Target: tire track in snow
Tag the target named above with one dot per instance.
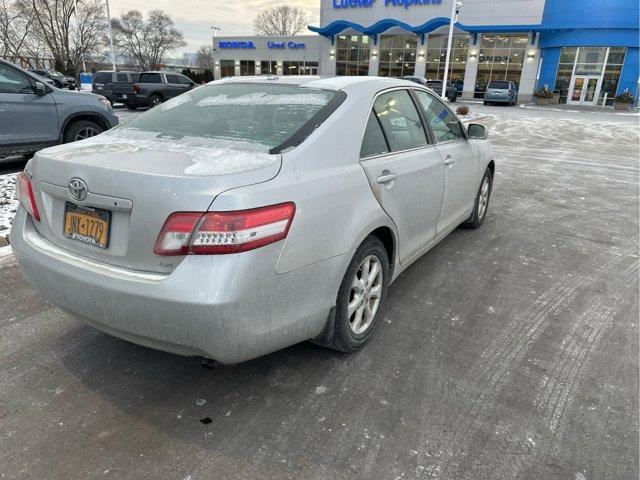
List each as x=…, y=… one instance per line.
x=493, y=370
x=558, y=389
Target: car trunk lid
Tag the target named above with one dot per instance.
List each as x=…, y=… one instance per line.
x=135, y=183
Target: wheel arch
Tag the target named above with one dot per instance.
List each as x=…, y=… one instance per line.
x=388, y=239
x=492, y=166
x=89, y=116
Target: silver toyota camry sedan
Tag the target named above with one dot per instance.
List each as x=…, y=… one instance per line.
x=251, y=213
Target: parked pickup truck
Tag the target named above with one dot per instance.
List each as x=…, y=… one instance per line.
x=153, y=88
x=115, y=86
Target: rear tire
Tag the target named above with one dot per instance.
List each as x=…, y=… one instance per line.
x=81, y=130
x=481, y=205
x=485, y=103
x=361, y=297
x=155, y=100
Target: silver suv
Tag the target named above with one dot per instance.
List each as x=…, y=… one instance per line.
x=34, y=115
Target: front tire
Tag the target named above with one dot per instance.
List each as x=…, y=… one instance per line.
x=361, y=296
x=481, y=205
x=81, y=130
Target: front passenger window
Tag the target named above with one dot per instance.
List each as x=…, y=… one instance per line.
x=13, y=81
x=444, y=124
x=400, y=120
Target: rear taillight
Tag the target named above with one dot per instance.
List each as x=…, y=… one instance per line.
x=24, y=194
x=216, y=233
x=136, y=89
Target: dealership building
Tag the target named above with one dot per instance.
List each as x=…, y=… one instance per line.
x=585, y=49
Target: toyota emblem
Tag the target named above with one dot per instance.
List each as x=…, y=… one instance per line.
x=77, y=189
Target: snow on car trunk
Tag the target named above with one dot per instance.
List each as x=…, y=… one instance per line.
x=133, y=183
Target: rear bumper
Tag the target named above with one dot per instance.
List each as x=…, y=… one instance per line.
x=498, y=99
x=230, y=308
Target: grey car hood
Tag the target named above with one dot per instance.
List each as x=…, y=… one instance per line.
x=150, y=179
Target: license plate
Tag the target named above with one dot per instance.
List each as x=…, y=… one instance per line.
x=87, y=224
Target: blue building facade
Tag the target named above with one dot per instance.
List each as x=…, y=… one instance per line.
x=586, y=50
x=600, y=38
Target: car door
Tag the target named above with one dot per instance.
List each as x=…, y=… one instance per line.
x=25, y=117
x=173, y=87
x=186, y=83
x=460, y=161
x=404, y=170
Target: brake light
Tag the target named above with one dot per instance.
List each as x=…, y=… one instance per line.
x=24, y=194
x=217, y=233
x=136, y=88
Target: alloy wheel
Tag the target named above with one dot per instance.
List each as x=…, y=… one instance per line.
x=365, y=295
x=86, y=132
x=483, y=200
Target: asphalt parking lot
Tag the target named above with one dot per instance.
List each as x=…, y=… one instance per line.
x=510, y=352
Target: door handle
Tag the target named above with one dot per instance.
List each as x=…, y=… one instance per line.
x=448, y=161
x=386, y=177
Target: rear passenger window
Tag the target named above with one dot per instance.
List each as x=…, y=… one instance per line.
x=122, y=78
x=400, y=120
x=444, y=124
x=373, y=142
x=150, y=78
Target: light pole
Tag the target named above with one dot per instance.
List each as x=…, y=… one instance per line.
x=215, y=31
x=113, y=54
x=455, y=10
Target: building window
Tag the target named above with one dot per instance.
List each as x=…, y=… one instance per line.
x=590, y=61
x=501, y=58
x=299, y=67
x=227, y=68
x=397, y=55
x=247, y=67
x=437, y=55
x=268, y=67
x=612, y=71
x=353, y=55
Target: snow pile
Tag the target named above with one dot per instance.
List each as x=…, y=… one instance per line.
x=470, y=116
x=260, y=99
x=8, y=203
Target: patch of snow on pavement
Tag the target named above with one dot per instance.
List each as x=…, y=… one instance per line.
x=8, y=202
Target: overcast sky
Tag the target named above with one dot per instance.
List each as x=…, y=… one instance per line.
x=196, y=17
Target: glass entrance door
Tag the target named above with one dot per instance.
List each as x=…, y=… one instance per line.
x=584, y=90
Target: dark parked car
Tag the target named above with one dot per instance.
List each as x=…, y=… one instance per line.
x=115, y=86
x=60, y=80
x=435, y=85
x=501, y=91
x=153, y=88
x=34, y=115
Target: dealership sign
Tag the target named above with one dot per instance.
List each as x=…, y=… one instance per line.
x=249, y=45
x=236, y=45
x=387, y=3
x=285, y=45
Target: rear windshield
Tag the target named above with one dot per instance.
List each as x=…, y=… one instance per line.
x=264, y=116
x=102, y=77
x=150, y=78
x=499, y=85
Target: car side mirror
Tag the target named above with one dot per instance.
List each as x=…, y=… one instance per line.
x=41, y=89
x=478, y=131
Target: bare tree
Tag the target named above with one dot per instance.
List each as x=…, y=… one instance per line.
x=281, y=20
x=146, y=43
x=54, y=27
x=204, y=57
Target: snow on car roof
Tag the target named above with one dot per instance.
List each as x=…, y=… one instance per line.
x=330, y=83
